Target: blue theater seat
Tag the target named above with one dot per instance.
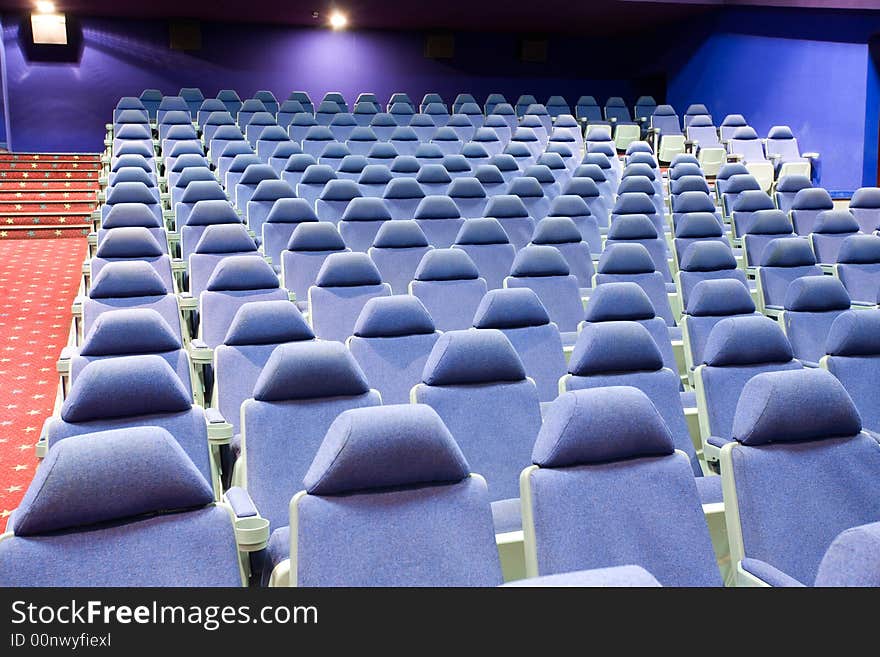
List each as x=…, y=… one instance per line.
x=448, y=283
x=790, y=427
x=392, y=340
x=423, y=508
x=585, y=495
x=345, y=282
x=476, y=383
x=101, y=498
x=544, y=270
x=812, y=303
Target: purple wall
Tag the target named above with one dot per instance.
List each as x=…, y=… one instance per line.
x=63, y=106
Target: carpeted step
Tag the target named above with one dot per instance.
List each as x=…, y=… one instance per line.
x=63, y=176
x=48, y=185
x=45, y=206
x=26, y=196
x=41, y=233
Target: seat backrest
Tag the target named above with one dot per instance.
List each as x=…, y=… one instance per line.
x=616, y=110
x=832, y=227
x=520, y=315
x=256, y=330
x=710, y=302
x=476, y=382
x=591, y=470
x=865, y=206
x=627, y=302
x=859, y=267
x=304, y=384
x=784, y=259
x=345, y=282
x=812, y=303
x=237, y=280
x=737, y=349
x=101, y=498
x=853, y=356
x=448, y=283
x=766, y=226
x=392, y=339
x=397, y=250
x=806, y=206
x=786, y=189
x=666, y=120
x=706, y=260
x=623, y=353
x=142, y=390
x=792, y=427
x=633, y=262
x=544, y=270
x=365, y=480
x=489, y=247
x=781, y=141
x=310, y=244
x=745, y=142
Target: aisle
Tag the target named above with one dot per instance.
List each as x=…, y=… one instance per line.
x=38, y=281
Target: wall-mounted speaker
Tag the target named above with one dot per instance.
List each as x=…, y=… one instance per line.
x=440, y=46
x=533, y=50
x=185, y=35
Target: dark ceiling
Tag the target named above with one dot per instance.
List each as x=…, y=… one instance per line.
x=590, y=17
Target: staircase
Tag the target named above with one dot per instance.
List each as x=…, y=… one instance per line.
x=47, y=195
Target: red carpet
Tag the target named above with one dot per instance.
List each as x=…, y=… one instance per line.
x=38, y=281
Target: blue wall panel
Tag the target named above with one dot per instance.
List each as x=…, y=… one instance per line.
x=819, y=88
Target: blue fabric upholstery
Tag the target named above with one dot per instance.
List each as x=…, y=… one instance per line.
x=404, y=445
x=132, y=472
x=720, y=297
x=267, y=322
x=746, y=341
x=796, y=406
x=421, y=522
x=476, y=382
x=290, y=373
x=816, y=294
x=242, y=273
x=348, y=270
x=129, y=331
x=392, y=340
x=471, y=357
x=606, y=452
x=139, y=385
x=520, y=315
x=127, y=279
x=570, y=436
x=840, y=464
x=851, y=560
x=156, y=475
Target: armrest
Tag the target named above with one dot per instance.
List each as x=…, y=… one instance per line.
x=734, y=157
x=200, y=352
x=773, y=156
x=712, y=447
x=219, y=430
x=251, y=530
x=179, y=264
x=810, y=156
x=242, y=504
x=42, y=445
x=187, y=301
x=63, y=362
x=754, y=572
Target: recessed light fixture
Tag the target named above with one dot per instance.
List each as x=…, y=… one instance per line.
x=45, y=7
x=338, y=20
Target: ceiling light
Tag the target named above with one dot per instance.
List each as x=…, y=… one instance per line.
x=338, y=20
x=45, y=7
